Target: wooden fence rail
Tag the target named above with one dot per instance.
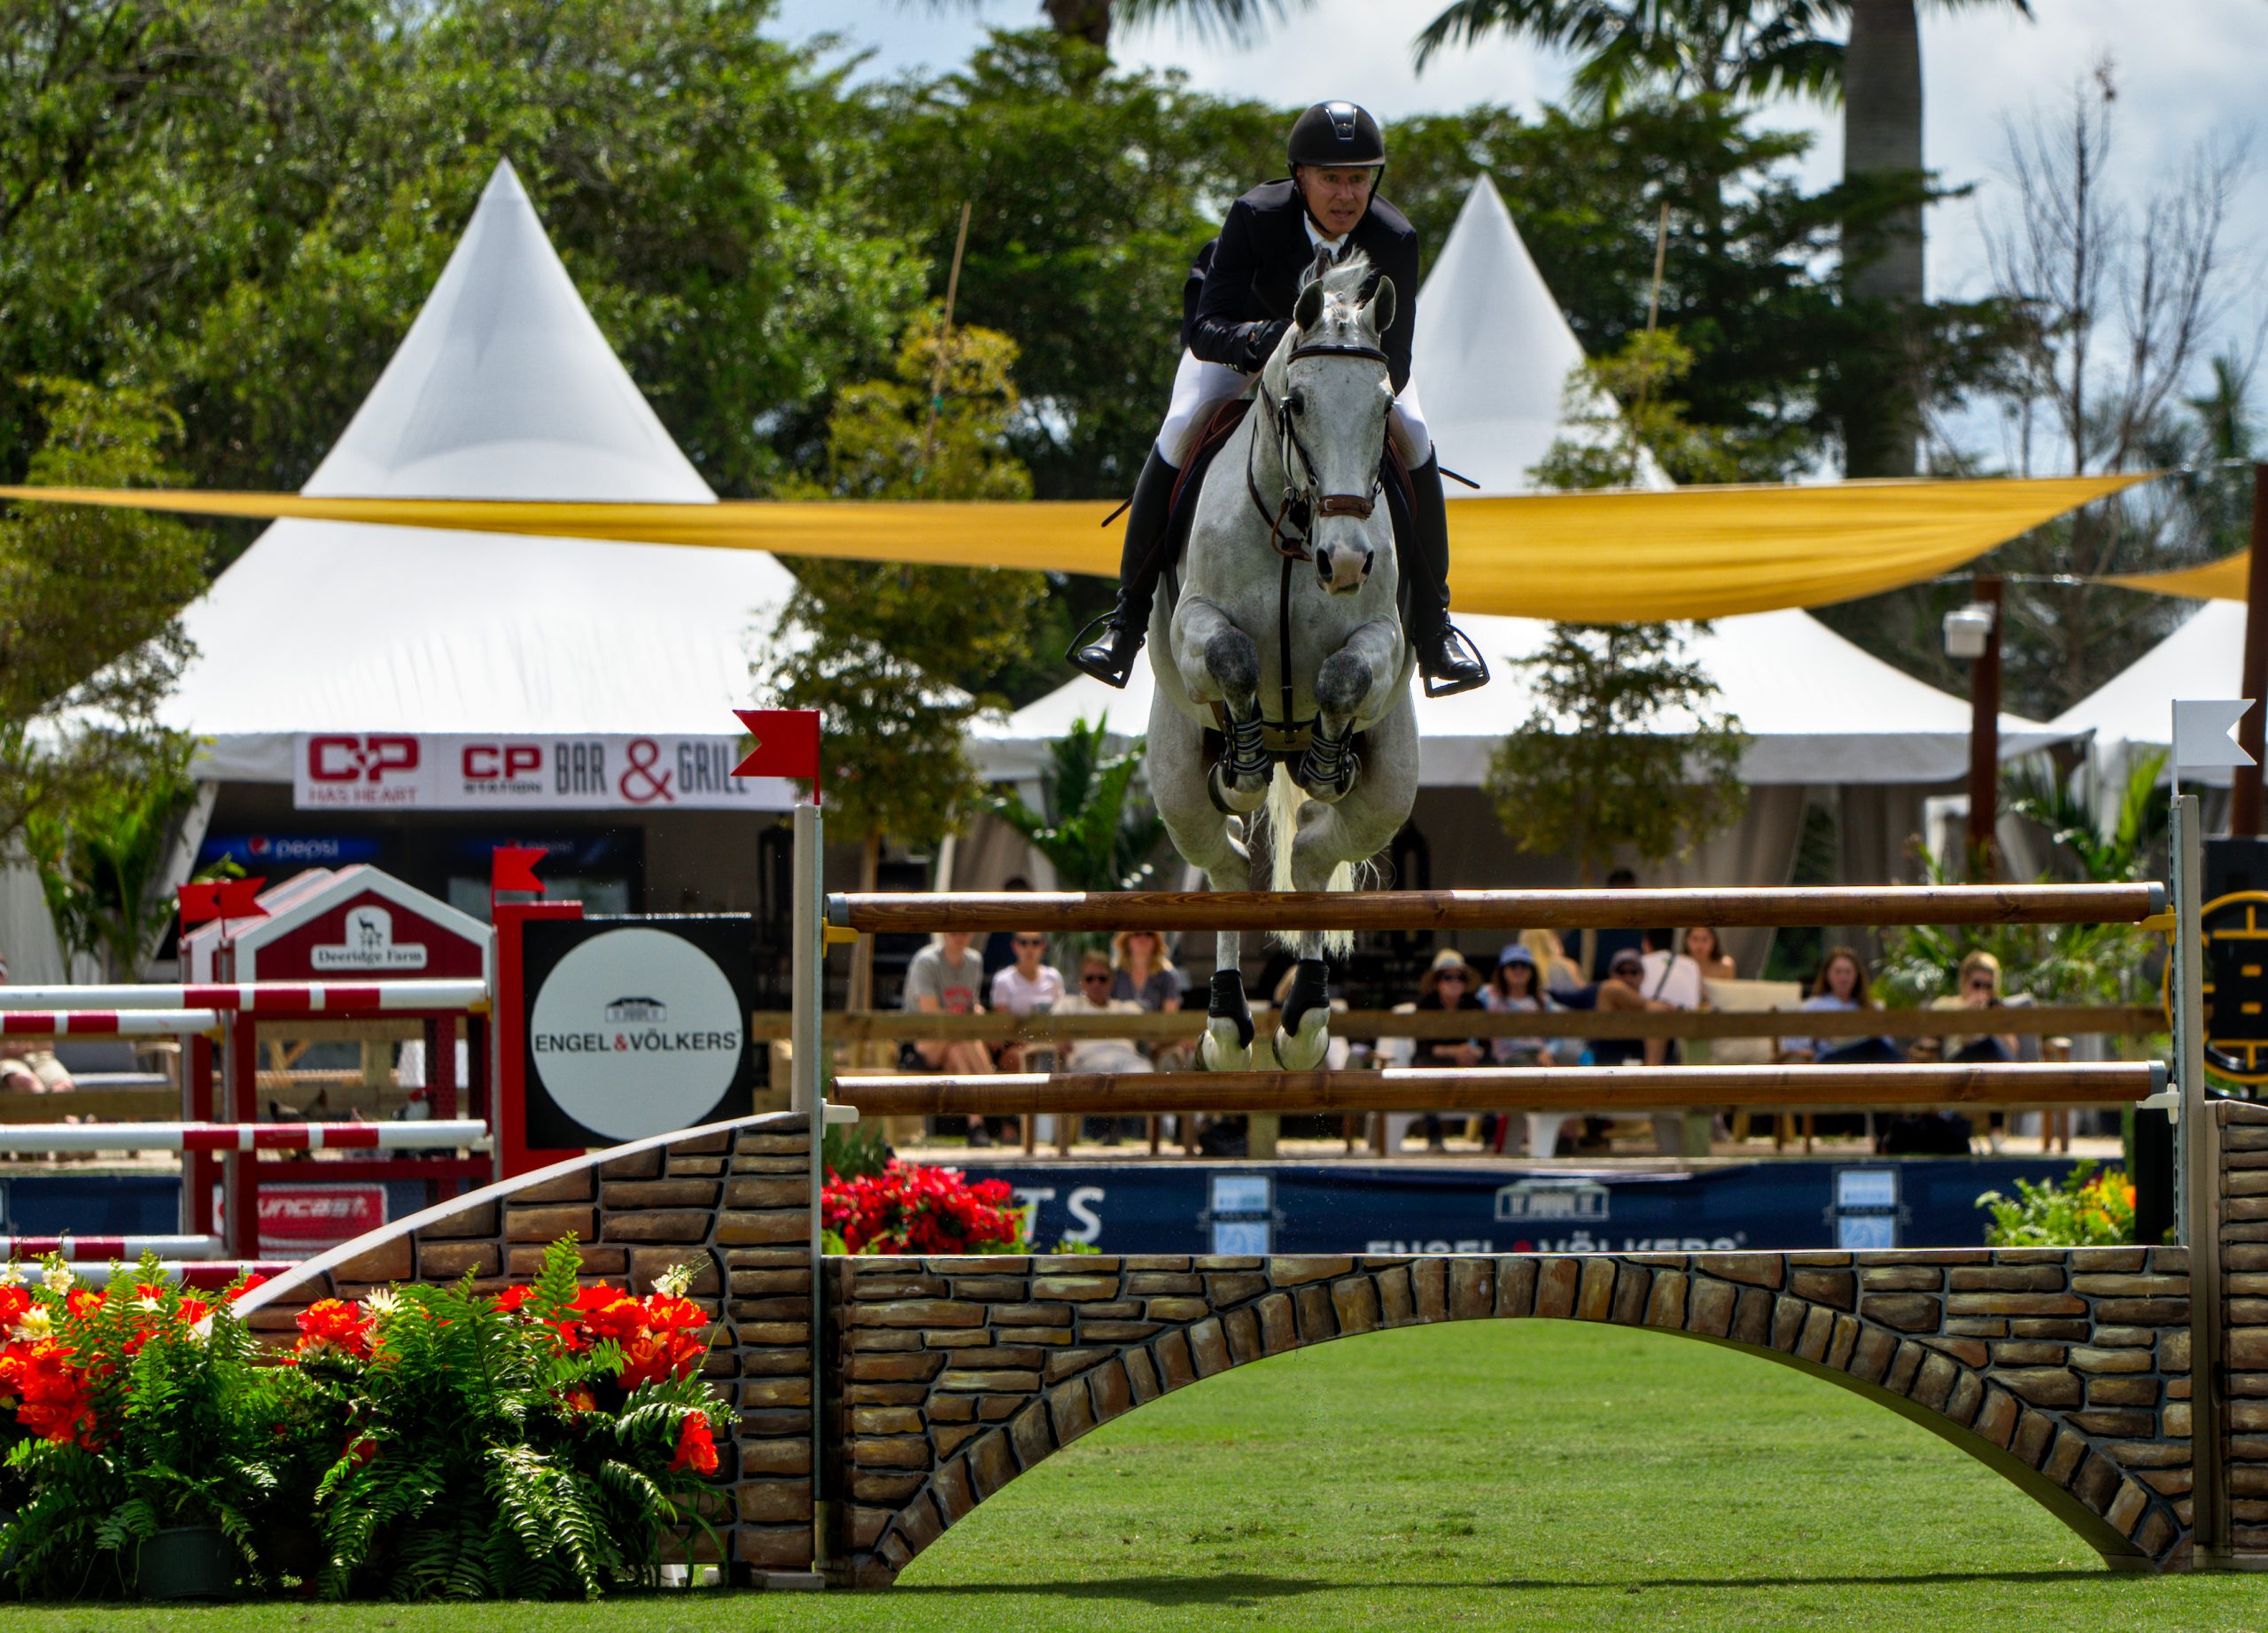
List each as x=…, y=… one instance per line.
x=1499, y=910
x=2025, y=1020
x=1570, y=1088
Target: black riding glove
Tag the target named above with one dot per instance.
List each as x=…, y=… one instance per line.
x=1258, y=343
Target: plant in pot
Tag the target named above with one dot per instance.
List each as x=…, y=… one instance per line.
x=542, y=1443
x=152, y=1423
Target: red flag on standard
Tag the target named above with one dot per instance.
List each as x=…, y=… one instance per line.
x=786, y=745
x=512, y=868
x=240, y=899
x=199, y=900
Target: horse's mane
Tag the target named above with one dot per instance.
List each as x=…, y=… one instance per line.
x=1344, y=278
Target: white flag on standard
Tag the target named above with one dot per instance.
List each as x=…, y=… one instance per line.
x=2204, y=734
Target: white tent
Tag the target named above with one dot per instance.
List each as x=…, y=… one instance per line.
x=1491, y=354
x=504, y=388
x=2203, y=658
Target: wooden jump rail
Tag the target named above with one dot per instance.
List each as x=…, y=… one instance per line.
x=2025, y=1020
x=1570, y=1088
x=1499, y=910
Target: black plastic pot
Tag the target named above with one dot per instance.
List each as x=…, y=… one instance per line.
x=186, y=1562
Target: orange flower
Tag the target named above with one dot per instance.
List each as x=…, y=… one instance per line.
x=696, y=1448
x=335, y=1323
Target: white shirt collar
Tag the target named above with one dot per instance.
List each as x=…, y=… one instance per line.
x=1316, y=238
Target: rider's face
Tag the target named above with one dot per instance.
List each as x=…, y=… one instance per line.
x=1337, y=195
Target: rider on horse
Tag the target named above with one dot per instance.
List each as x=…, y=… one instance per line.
x=1251, y=275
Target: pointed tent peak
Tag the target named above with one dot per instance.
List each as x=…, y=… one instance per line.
x=1492, y=351
x=504, y=388
x=504, y=184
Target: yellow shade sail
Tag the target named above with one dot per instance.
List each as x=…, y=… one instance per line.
x=1596, y=557
x=2221, y=581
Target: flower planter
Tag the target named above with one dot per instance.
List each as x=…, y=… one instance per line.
x=186, y=1562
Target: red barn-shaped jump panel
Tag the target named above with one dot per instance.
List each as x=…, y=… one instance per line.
x=346, y=924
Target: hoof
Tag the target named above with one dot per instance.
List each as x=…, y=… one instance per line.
x=1303, y=1050
x=1227, y=1043
x=1327, y=771
x=1302, y=1033
x=1235, y=796
x=1223, y=1049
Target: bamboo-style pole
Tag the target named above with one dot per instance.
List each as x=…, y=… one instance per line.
x=1572, y=1088
x=1499, y=910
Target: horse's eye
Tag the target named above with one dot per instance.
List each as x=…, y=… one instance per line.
x=1296, y=402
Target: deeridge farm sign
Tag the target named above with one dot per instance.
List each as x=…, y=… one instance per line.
x=636, y=1027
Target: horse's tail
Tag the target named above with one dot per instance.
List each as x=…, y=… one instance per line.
x=1285, y=798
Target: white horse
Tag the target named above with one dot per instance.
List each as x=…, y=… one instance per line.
x=1281, y=631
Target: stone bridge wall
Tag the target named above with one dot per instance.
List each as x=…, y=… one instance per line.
x=2066, y=1371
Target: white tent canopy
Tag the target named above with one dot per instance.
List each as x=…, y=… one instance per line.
x=504, y=388
x=2203, y=658
x=1492, y=353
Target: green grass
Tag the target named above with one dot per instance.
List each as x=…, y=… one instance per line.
x=1527, y=1475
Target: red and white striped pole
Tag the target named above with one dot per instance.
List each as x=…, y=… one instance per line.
x=105, y=1022
x=464, y=1133
x=261, y=997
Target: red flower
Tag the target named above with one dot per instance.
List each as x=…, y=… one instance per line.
x=83, y=1300
x=917, y=1208
x=696, y=1449
x=15, y=1299
x=237, y=1292
x=335, y=1322
x=509, y=1301
x=362, y=1451
x=193, y=1311
x=52, y=1392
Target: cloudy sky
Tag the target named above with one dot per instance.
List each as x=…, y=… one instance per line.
x=2186, y=72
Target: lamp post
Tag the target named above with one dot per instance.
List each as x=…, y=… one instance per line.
x=1973, y=632
x=2244, y=803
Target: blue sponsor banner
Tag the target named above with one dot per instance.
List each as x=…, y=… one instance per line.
x=255, y=852
x=1420, y=1208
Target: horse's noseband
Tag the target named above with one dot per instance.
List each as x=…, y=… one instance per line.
x=1303, y=509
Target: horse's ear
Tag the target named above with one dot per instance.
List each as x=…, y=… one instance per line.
x=1309, y=308
x=1382, y=305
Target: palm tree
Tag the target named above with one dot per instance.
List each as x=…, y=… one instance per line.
x=1748, y=50
x=1739, y=49
x=1092, y=20
x=1882, y=262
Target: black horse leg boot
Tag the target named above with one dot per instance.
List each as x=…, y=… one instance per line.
x=1109, y=654
x=1445, y=658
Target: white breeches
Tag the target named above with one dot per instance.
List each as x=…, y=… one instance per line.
x=1199, y=387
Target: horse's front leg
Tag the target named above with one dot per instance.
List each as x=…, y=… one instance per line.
x=1220, y=664
x=1353, y=684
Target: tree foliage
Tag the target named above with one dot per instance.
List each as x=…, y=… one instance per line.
x=892, y=656
x=1592, y=772
x=1086, y=827
x=89, y=637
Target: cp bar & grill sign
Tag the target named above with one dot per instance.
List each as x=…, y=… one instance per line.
x=635, y=1026
x=591, y=771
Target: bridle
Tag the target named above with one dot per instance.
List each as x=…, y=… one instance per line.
x=1302, y=506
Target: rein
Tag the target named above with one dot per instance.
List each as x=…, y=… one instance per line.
x=1304, y=507
x=1301, y=509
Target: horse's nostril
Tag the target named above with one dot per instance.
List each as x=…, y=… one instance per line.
x=1368, y=558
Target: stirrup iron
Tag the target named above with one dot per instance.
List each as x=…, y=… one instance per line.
x=1455, y=643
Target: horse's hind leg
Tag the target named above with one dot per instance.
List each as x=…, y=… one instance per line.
x=1331, y=837
x=1219, y=664
x=1207, y=839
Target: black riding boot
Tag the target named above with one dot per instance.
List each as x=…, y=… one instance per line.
x=1109, y=656
x=1445, y=658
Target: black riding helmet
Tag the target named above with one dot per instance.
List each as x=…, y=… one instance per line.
x=1337, y=133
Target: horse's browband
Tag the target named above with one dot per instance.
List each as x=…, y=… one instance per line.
x=1326, y=349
